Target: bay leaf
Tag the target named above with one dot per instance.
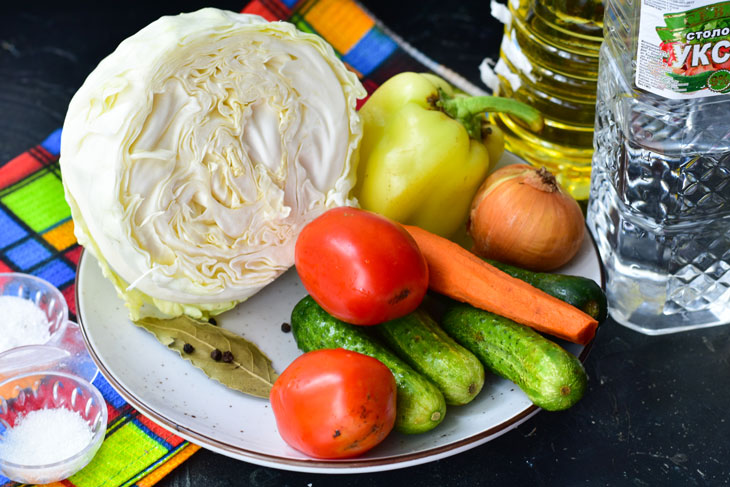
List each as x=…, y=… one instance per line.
x=250, y=371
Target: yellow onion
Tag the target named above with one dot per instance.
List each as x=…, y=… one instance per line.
x=522, y=216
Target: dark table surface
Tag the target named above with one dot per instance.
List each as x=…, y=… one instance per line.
x=655, y=410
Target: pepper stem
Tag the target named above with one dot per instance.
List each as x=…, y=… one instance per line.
x=467, y=110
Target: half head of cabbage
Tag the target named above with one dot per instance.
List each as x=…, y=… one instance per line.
x=193, y=155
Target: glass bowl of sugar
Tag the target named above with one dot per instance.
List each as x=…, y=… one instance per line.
x=33, y=310
x=51, y=426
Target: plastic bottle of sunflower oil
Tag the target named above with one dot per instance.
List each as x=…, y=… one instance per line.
x=660, y=192
x=549, y=59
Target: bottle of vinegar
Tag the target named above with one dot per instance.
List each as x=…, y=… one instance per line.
x=660, y=195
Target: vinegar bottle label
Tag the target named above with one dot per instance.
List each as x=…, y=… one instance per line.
x=683, y=48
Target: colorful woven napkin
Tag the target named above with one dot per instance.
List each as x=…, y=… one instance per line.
x=364, y=44
x=37, y=238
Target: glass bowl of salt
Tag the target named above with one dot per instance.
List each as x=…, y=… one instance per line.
x=34, y=311
x=51, y=426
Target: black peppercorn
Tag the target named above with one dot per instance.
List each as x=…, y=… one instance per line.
x=216, y=355
x=285, y=327
x=187, y=348
x=227, y=357
x=212, y=321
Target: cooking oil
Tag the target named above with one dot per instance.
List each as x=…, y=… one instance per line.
x=549, y=59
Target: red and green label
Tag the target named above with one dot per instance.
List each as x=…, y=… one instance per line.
x=696, y=49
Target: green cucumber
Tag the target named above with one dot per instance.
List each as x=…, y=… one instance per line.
x=552, y=378
x=420, y=341
x=581, y=292
x=420, y=406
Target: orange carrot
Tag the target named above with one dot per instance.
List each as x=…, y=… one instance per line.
x=457, y=273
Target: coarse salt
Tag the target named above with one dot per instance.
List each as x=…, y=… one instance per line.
x=45, y=436
x=21, y=323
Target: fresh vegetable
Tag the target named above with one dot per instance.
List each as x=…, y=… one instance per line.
x=552, y=378
x=493, y=137
x=457, y=273
x=581, y=292
x=522, y=216
x=361, y=267
x=334, y=403
x=195, y=153
x=423, y=152
x=418, y=339
x=420, y=406
x=240, y=365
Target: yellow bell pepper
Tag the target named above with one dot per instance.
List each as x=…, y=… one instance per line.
x=426, y=149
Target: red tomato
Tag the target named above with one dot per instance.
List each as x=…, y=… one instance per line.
x=334, y=403
x=361, y=267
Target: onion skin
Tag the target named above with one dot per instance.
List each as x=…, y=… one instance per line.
x=521, y=216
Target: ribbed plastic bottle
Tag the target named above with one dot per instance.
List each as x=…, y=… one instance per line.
x=549, y=59
x=660, y=196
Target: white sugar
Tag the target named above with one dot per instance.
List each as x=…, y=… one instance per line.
x=45, y=436
x=21, y=323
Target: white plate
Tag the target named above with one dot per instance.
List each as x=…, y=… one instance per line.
x=179, y=397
